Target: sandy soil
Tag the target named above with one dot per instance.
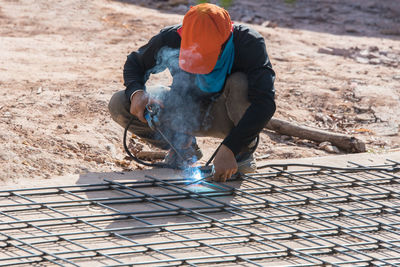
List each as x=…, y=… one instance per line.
x=337, y=68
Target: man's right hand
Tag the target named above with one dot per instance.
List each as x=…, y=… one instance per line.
x=138, y=104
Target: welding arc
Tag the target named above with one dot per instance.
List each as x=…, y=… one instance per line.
x=158, y=164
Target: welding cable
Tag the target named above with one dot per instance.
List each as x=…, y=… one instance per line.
x=149, y=164
x=325, y=167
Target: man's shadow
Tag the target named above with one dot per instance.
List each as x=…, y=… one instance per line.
x=143, y=204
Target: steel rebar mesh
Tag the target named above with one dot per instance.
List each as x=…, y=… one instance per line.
x=303, y=217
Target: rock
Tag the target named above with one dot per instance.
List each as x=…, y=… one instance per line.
x=364, y=117
x=362, y=60
x=319, y=116
x=374, y=61
x=328, y=147
x=332, y=149
x=364, y=53
x=337, y=51
x=324, y=144
x=386, y=60
x=322, y=117
x=361, y=108
x=72, y=147
x=7, y=115
x=373, y=55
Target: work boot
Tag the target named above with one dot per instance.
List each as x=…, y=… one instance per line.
x=190, y=155
x=245, y=160
x=246, y=163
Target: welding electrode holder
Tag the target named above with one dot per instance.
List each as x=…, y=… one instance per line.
x=150, y=114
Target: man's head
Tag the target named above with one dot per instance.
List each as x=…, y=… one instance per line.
x=205, y=28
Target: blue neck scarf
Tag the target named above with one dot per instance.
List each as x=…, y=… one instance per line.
x=214, y=81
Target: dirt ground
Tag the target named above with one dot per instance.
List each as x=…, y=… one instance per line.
x=337, y=65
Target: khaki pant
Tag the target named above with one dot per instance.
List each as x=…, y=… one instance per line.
x=223, y=114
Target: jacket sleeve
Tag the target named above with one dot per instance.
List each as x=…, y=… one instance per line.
x=255, y=63
x=138, y=63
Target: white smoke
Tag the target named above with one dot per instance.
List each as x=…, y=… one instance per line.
x=182, y=114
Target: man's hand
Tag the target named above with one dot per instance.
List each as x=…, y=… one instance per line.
x=138, y=104
x=224, y=164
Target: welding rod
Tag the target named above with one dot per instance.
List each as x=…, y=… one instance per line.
x=171, y=145
x=213, y=155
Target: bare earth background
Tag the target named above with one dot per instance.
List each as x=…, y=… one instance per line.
x=337, y=65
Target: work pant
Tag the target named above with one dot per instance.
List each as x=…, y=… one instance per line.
x=222, y=115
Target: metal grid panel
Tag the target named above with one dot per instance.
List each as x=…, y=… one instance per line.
x=304, y=217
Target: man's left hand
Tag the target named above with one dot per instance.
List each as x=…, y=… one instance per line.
x=225, y=164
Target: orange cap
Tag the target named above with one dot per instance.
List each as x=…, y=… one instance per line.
x=204, y=29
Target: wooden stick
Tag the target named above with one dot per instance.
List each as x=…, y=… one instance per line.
x=150, y=155
x=342, y=141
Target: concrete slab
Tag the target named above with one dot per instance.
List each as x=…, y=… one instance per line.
x=296, y=217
